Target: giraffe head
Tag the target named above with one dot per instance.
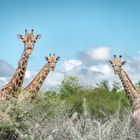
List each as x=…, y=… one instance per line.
x=52, y=60
x=117, y=63
x=29, y=40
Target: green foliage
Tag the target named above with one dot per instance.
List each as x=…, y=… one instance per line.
x=105, y=103
x=7, y=132
x=138, y=85
x=103, y=85
x=70, y=85
x=115, y=86
x=32, y=119
x=101, y=100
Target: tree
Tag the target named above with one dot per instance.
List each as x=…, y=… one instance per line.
x=103, y=85
x=116, y=86
x=70, y=85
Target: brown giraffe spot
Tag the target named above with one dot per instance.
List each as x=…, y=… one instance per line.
x=14, y=88
x=33, y=91
x=19, y=74
x=16, y=81
x=20, y=78
x=22, y=72
x=40, y=82
x=30, y=90
x=23, y=68
x=23, y=64
x=19, y=83
x=44, y=76
x=37, y=88
x=3, y=89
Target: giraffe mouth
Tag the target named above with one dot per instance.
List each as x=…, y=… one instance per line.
x=29, y=50
x=115, y=72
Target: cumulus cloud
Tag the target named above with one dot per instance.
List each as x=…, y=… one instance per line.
x=94, y=55
x=70, y=65
x=53, y=80
x=100, y=53
x=6, y=69
x=91, y=67
x=105, y=69
x=3, y=80
x=90, y=70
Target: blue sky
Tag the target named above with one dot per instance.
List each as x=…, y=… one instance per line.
x=68, y=27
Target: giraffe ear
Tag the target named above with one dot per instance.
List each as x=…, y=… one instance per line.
x=123, y=62
x=110, y=62
x=20, y=37
x=37, y=37
x=46, y=58
x=58, y=58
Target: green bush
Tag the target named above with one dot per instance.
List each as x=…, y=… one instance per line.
x=19, y=120
x=70, y=85
x=102, y=100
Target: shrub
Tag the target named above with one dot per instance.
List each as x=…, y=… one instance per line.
x=70, y=85
x=73, y=112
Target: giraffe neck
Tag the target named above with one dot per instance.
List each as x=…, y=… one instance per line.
x=37, y=82
x=132, y=93
x=17, y=79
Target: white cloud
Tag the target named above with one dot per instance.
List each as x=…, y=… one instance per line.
x=53, y=80
x=90, y=71
x=29, y=74
x=6, y=69
x=100, y=53
x=70, y=64
x=103, y=68
x=3, y=81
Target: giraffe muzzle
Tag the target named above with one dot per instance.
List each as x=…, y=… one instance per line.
x=115, y=72
x=53, y=68
x=29, y=51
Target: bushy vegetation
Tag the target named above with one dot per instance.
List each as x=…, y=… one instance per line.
x=72, y=113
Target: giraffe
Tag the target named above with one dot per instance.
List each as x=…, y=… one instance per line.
x=16, y=81
x=37, y=82
x=132, y=92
